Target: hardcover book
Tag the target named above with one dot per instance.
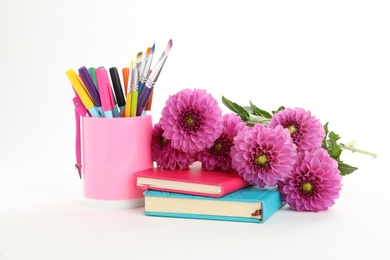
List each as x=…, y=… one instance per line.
x=249, y=204
x=193, y=181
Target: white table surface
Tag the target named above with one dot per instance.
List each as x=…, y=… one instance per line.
x=45, y=218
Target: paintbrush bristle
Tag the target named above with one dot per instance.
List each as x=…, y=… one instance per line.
x=139, y=57
x=168, y=48
x=153, y=47
x=131, y=64
x=148, y=51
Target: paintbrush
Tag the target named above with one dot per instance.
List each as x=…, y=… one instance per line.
x=151, y=81
x=145, y=72
x=125, y=75
x=135, y=85
x=129, y=91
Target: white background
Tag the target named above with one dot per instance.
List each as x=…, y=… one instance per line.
x=329, y=57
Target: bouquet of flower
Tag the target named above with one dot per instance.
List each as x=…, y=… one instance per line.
x=288, y=148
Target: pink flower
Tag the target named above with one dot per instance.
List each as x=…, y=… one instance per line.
x=165, y=156
x=192, y=120
x=306, y=131
x=217, y=157
x=262, y=155
x=314, y=183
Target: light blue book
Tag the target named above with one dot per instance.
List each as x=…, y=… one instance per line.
x=250, y=204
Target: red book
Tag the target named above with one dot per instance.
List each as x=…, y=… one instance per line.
x=194, y=181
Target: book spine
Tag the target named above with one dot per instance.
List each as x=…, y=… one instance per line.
x=271, y=204
x=186, y=192
x=233, y=185
x=201, y=216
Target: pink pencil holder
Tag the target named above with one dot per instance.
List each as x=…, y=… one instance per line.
x=113, y=149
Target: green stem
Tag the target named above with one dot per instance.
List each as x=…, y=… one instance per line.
x=350, y=146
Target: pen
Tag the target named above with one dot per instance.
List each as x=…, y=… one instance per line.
x=151, y=81
x=105, y=90
x=116, y=83
x=91, y=71
x=145, y=72
x=82, y=92
x=78, y=104
x=80, y=110
x=91, y=87
x=115, y=111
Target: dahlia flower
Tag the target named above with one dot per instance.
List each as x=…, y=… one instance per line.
x=306, y=131
x=314, y=183
x=262, y=155
x=192, y=120
x=164, y=155
x=217, y=157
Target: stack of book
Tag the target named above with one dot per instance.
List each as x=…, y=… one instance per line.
x=201, y=194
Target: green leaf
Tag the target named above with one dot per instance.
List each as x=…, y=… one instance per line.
x=259, y=112
x=249, y=109
x=239, y=110
x=334, y=136
x=326, y=128
x=329, y=143
x=334, y=149
x=254, y=119
x=346, y=169
x=279, y=109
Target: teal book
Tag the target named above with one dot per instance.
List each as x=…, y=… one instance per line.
x=250, y=204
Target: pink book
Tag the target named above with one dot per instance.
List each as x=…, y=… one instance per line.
x=194, y=181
